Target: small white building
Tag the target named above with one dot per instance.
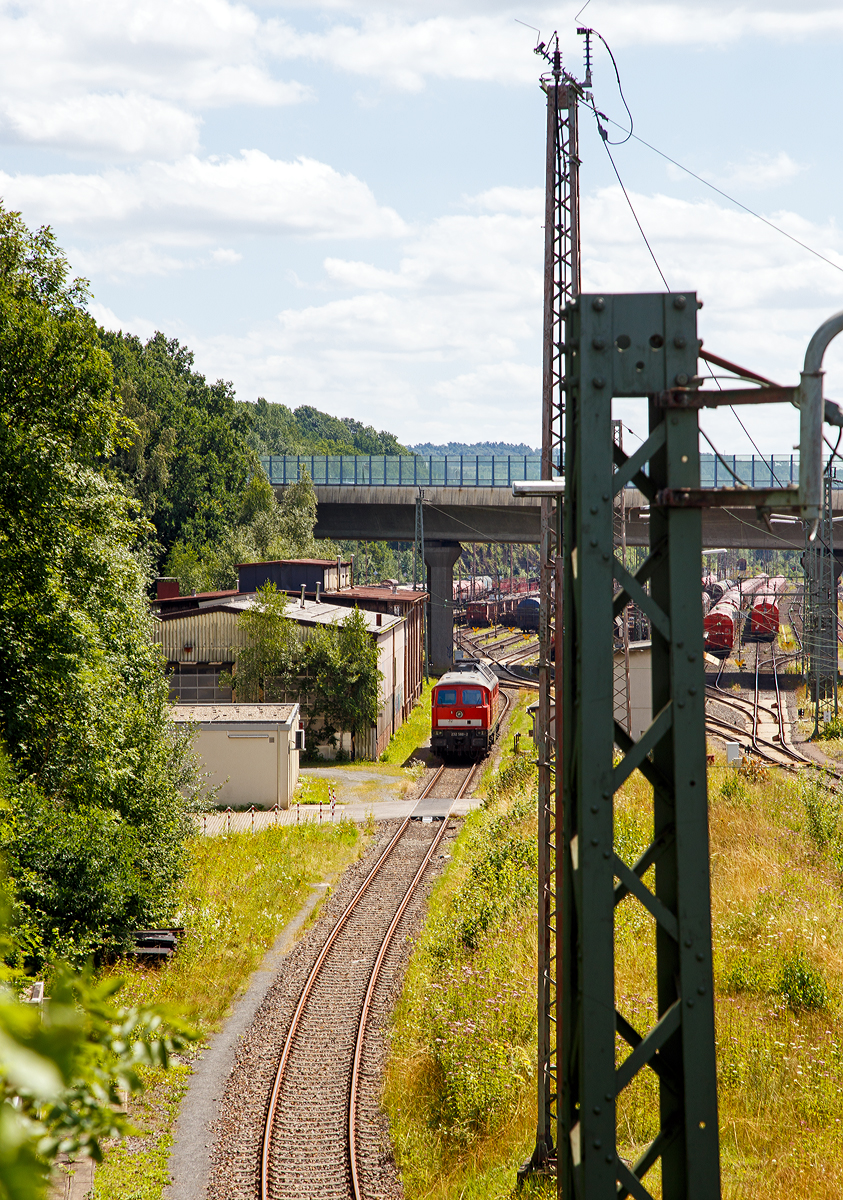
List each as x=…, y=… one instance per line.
x=249, y=751
x=640, y=688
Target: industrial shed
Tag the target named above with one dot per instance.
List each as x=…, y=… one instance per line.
x=249, y=751
x=201, y=643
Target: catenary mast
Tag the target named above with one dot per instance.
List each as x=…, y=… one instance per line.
x=561, y=285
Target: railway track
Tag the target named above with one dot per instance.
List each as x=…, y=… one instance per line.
x=315, y=1143
x=492, y=650
x=760, y=714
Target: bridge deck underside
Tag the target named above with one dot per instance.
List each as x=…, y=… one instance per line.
x=493, y=515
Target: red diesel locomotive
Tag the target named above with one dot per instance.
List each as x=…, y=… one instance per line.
x=466, y=710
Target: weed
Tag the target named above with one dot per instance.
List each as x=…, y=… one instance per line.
x=745, y=976
x=733, y=788
x=823, y=810
x=415, y=769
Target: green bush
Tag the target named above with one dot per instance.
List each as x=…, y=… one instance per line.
x=830, y=729
x=801, y=984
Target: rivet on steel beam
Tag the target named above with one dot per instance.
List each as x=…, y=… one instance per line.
x=598, y=343
x=594, y=509
x=682, y=379
x=599, y=381
x=598, y=304
x=679, y=343
x=595, y=841
x=699, y=304
x=679, y=301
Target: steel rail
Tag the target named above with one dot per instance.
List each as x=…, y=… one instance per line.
x=364, y=1015
x=317, y=966
x=755, y=745
x=370, y=991
x=308, y=987
x=778, y=692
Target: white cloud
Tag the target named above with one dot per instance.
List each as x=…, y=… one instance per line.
x=226, y=257
x=130, y=125
x=447, y=342
x=403, y=46
x=108, y=319
x=197, y=197
x=757, y=172
x=128, y=77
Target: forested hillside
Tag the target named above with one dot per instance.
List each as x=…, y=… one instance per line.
x=442, y=448
x=276, y=429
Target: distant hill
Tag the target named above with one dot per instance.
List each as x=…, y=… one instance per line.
x=277, y=429
x=428, y=448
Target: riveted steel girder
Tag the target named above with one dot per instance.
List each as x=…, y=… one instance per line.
x=636, y=345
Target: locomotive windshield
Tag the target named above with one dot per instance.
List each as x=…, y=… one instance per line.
x=446, y=696
x=472, y=696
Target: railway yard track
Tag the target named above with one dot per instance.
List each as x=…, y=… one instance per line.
x=499, y=651
x=763, y=713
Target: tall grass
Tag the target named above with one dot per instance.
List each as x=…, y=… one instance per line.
x=461, y=1072
x=413, y=733
x=777, y=913
x=241, y=890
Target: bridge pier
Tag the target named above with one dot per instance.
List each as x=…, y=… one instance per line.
x=440, y=558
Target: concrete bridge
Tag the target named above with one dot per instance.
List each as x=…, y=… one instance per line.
x=469, y=499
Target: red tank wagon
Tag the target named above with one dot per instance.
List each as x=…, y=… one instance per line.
x=763, y=623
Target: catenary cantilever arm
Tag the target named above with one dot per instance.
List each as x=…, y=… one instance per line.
x=811, y=415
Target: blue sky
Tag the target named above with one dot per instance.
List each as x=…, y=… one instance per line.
x=340, y=204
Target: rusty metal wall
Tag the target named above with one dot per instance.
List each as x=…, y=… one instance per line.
x=211, y=637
